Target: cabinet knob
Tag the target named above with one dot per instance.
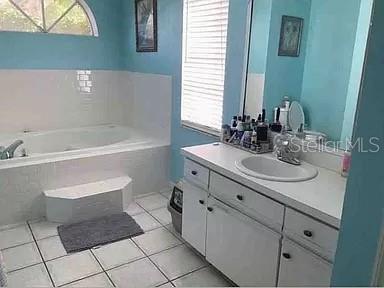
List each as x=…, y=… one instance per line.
x=201, y=202
x=240, y=197
x=210, y=209
x=308, y=233
x=194, y=173
x=287, y=255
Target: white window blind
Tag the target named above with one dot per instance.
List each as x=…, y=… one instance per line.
x=204, y=55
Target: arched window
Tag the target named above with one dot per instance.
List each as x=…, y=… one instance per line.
x=48, y=16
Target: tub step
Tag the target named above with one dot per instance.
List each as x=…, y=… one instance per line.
x=86, y=201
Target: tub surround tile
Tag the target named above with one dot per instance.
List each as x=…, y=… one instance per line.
x=99, y=280
x=206, y=277
x=21, y=256
x=146, y=221
x=178, y=261
x=34, y=276
x=118, y=253
x=162, y=215
x=73, y=267
x=138, y=163
x=156, y=241
x=51, y=248
x=152, y=202
x=141, y=273
x=15, y=236
x=44, y=229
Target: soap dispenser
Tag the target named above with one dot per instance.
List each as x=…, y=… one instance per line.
x=284, y=110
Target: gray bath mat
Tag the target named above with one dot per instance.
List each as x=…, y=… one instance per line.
x=99, y=231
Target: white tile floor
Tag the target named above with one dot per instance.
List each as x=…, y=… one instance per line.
x=35, y=257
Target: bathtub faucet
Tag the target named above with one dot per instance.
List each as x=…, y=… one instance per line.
x=9, y=152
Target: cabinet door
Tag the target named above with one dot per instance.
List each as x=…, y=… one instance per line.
x=241, y=248
x=300, y=267
x=194, y=216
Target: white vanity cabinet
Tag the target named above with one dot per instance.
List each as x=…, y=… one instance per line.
x=251, y=238
x=244, y=250
x=194, y=216
x=301, y=268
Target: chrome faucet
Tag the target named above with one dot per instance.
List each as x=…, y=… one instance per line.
x=9, y=152
x=285, y=151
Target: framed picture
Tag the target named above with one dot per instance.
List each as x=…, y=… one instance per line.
x=290, y=36
x=146, y=25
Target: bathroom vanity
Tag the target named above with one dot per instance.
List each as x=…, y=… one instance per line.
x=260, y=232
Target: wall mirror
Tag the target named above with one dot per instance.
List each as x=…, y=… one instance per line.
x=311, y=53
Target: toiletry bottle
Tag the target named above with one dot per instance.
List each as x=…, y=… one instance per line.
x=233, y=125
x=262, y=129
x=253, y=124
x=285, y=103
x=239, y=129
x=234, y=122
x=346, y=164
x=246, y=139
x=258, y=121
x=225, y=133
x=254, y=136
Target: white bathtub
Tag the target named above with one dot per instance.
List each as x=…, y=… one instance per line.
x=63, y=158
x=48, y=145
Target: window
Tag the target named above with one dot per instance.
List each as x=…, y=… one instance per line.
x=204, y=55
x=47, y=16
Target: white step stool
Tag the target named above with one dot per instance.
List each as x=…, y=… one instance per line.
x=87, y=201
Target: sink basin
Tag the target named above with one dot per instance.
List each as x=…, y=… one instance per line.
x=267, y=167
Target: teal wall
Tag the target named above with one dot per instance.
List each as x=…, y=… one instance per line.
x=261, y=20
x=356, y=69
x=364, y=200
x=331, y=41
x=168, y=61
x=284, y=75
x=42, y=51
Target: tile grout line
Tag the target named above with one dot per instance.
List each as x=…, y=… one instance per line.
x=158, y=268
x=29, y=266
x=166, y=249
x=182, y=243
x=80, y=279
x=18, y=245
x=148, y=212
x=169, y=280
x=41, y=255
x=191, y=272
x=105, y=272
x=141, y=258
x=178, y=236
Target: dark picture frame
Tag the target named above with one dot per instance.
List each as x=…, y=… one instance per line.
x=290, y=36
x=146, y=25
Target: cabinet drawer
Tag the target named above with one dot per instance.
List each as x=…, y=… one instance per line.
x=312, y=233
x=196, y=173
x=252, y=203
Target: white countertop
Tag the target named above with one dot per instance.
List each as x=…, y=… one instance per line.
x=321, y=197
